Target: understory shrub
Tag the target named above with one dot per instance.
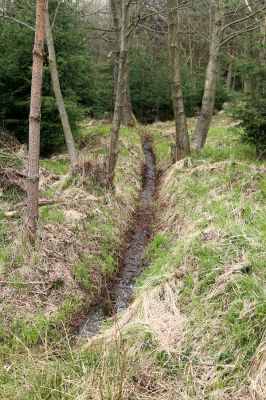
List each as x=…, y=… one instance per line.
x=252, y=116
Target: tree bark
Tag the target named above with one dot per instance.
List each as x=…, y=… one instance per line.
x=58, y=94
x=120, y=95
x=208, y=100
x=182, y=147
x=127, y=107
x=117, y=21
x=230, y=70
x=229, y=77
x=35, y=119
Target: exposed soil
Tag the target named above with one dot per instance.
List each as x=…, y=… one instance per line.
x=119, y=292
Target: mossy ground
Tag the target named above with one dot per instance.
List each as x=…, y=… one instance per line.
x=196, y=329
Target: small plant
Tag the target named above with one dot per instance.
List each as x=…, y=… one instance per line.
x=82, y=274
x=252, y=116
x=18, y=283
x=108, y=264
x=52, y=215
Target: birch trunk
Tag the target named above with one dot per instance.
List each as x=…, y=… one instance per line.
x=208, y=99
x=34, y=120
x=117, y=21
x=182, y=147
x=58, y=94
x=120, y=95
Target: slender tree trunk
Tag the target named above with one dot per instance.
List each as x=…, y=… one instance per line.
x=120, y=95
x=117, y=21
x=229, y=76
x=247, y=82
x=230, y=70
x=127, y=107
x=208, y=99
x=263, y=43
x=35, y=119
x=58, y=94
x=182, y=138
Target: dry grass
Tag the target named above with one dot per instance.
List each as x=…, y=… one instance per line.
x=84, y=221
x=157, y=311
x=196, y=329
x=258, y=372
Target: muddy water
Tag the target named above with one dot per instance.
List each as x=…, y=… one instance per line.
x=119, y=294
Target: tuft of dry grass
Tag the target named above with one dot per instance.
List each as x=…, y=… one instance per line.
x=258, y=372
x=85, y=223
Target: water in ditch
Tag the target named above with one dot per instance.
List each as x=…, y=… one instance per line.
x=119, y=294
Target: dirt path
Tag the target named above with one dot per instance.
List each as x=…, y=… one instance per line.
x=120, y=293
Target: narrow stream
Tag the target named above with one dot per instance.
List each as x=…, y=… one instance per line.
x=131, y=265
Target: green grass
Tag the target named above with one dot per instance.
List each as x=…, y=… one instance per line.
x=209, y=245
x=222, y=214
x=58, y=167
x=52, y=214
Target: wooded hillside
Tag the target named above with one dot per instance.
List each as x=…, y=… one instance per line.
x=132, y=199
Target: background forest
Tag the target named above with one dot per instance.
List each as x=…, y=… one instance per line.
x=84, y=45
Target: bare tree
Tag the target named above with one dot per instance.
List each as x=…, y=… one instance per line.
x=120, y=93
x=35, y=119
x=117, y=22
x=182, y=147
x=226, y=21
x=208, y=99
x=58, y=94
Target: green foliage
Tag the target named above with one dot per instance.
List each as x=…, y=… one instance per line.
x=75, y=72
x=82, y=273
x=193, y=88
x=150, y=85
x=252, y=114
x=151, y=89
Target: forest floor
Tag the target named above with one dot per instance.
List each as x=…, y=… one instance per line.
x=196, y=326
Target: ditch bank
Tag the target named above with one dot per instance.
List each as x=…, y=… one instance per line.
x=118, y=293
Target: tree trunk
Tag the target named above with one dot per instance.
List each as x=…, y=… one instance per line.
x=182, y=147
x=58, y=94
x=120, y=95
x=35, y=119
x=127, y=108
x=208, y=100
x=229, y=77
x=249, y=54
x=117, y=21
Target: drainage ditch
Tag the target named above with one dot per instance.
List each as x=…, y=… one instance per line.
x=119, y=295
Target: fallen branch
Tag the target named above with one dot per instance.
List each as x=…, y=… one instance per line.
x=16, y=210
x=41, y=202
x=25, y=283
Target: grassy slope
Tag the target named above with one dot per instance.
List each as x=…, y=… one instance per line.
x=79, y=237
x=197, y=327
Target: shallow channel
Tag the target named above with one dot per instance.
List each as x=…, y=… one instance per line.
x=131, y=263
